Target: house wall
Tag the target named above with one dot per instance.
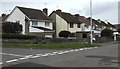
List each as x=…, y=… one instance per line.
x=17, y=15
x=41, y=24
x=74, y=29
x=61, y=25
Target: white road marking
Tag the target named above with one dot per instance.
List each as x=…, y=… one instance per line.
x=71, y=50
x=12, y=60
x=55, y=52
x=90, y=48
x=23, y=58
x=81, y=49
x=43, y=55
x=28, y=56
x=85, y=48
x=95, y=47
x=66, y=51
x=34, y=56
x=76, y=50
x=12, y=54
x=52, y=54
x=62, y=52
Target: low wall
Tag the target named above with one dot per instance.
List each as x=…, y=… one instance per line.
x=32, y=41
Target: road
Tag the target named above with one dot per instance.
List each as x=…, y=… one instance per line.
x=104, y=56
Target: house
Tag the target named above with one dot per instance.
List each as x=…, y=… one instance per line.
x=34, y=21
x=65, y=21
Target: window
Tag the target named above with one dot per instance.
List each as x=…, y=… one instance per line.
x=71, y=25
x=47, y=24
x=84, y=35
x=34, y=23
x=78, y=25
x=86, y=26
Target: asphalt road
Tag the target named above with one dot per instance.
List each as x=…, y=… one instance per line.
x=105, y=56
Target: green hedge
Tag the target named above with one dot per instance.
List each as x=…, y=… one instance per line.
x=17, y=36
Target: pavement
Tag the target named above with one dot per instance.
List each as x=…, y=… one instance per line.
x=104, y=56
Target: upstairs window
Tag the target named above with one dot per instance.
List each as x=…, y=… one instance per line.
x=47, y=24
x=34, y=23
x=78, y=25
x=71, y=25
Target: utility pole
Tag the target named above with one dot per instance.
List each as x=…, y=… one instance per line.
x=91, y=34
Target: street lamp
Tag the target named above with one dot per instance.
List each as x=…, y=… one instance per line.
x=91, y=35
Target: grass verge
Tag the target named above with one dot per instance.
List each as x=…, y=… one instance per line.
x=48, y=46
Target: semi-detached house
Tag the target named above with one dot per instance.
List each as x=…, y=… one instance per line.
x=64, y=21
x=34, y=21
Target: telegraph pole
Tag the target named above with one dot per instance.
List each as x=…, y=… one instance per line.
x=91, y=34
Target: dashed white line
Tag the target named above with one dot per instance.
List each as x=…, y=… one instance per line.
x=23, y=58
x=44, y=55
x=81, y=49
x=34, y=56
x=71, y=50
x=12, y=60
x=76, y=50
x=12, y=54
x=55, y=52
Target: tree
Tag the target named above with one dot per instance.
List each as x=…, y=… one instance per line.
x=11, y=27
x=64, y=34
x=106, y=33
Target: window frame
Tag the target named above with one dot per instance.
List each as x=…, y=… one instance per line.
x=34, y=22
x=78, y=25
x=47, y=24
x=71, y=25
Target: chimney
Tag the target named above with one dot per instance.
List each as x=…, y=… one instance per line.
x=3, y=15
x=58, y=12
x=45, y=10
x=77, y=15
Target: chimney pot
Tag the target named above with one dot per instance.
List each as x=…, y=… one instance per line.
x=77, y=15
x=45, y=10
x=58, y=12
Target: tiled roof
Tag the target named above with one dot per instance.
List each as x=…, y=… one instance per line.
x=34, y=13
x=84, y=20
x=69, y=18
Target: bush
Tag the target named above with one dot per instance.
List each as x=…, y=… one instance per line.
x=17, y=36
x=106, y=33
x=11, y=27
x=64, y=34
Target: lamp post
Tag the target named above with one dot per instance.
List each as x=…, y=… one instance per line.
x=91, y=35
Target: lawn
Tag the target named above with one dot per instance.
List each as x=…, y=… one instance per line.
x=48, y=46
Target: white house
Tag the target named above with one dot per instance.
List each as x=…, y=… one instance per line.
x=32, y=20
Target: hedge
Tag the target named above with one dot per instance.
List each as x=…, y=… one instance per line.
x=17, y=36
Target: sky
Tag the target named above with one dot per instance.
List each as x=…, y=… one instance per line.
x=101, y=9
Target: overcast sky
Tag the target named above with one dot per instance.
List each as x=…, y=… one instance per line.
x=101, y=9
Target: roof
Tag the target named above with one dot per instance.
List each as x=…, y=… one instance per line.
x=111, y=25
x=84, y=20
x=68, y=17
x=34, y=13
